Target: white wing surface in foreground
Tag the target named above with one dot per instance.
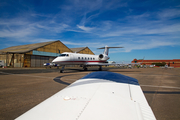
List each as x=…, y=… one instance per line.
x=97, y=96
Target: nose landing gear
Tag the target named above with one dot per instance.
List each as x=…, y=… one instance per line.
x=62, y=69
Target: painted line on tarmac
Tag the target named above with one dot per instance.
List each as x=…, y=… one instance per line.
x=32, y=75
x=73, y=79
x=161, y=86
x=151, y=75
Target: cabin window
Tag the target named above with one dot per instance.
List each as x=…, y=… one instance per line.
x=82, y=57
x=93, y=58
x=85, y=58
x=67, y=55
x=88, y=58
x=78, y=57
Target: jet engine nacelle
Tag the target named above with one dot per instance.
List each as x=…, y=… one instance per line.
x=101, y=56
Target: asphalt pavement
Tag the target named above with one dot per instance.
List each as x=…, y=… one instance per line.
x=22, y=89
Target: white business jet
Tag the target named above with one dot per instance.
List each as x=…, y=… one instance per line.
x=84, y=60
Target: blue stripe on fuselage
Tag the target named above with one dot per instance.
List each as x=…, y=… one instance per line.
x=115, y=77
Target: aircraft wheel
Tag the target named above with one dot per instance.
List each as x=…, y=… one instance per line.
x=100, y=69
x=61, y=71
x=85, y=68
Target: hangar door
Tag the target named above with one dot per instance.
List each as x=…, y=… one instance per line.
x=38, y=61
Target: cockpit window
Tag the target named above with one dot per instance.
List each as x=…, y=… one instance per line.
x=63, y=55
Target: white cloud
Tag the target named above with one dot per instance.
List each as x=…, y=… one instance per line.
x=38, y=40
x=71, y=43
x=168, y=13
x=83, y=44
x=52, y=27
x=138, y=25
x=16, y=33
x=19, y=27
x=148, y=44
x=86, y=29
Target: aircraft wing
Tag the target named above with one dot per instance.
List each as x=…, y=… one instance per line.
x=105, y=64
x=97, y=96
x=98, y=64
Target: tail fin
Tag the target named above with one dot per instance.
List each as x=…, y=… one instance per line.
x=106, y=49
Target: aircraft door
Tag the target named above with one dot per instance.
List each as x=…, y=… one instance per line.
x=72, y=58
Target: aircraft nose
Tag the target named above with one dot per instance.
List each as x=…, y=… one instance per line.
x=54, y=60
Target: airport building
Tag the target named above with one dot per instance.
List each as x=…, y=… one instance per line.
x=35, y=55
x=172, y=63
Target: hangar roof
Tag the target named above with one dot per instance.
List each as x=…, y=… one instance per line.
x=77, y=49
x=24, y=48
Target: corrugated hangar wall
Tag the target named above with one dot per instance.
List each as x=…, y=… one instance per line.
x=38, y=61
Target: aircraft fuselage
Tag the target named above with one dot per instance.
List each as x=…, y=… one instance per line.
x=79, y=59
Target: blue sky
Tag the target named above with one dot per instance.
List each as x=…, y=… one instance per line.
x=145, y=28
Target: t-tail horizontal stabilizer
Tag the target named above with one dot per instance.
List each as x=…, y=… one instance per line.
x=106, y=49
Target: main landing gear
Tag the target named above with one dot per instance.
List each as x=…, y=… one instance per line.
x=100, y=68
x=62, y=69
x=85, y=68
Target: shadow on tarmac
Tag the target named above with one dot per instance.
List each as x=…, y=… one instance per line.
x=58, y=79
x=81, y=70
x=26, y=71
x=34, y=70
